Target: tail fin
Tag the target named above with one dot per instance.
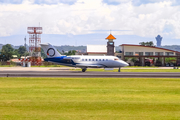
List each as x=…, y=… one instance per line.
x=50, y=51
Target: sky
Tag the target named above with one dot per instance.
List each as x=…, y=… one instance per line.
x=82, y=22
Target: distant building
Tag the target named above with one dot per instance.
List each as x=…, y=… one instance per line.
x=158, y=39
x=97, y=50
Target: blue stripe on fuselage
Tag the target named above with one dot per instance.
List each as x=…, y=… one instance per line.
x=62, y=59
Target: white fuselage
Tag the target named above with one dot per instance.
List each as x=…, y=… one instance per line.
x=99, y=61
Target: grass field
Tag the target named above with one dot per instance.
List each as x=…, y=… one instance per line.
x=89, y=99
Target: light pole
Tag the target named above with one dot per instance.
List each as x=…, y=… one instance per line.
x=25, y=46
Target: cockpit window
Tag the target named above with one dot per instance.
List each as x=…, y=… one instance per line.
x=116, y=59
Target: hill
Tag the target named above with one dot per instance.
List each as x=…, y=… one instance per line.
x=172, y=47
x=84, y=48
x=68, y=48
x=1, y=46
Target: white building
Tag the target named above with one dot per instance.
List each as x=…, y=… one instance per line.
x=142, y=52
x=96, y=50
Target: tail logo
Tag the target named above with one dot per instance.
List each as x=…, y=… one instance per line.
x=51, y=52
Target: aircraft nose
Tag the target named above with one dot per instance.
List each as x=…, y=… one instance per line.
x=124, y=64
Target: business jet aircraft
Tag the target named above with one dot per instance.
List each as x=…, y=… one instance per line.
x=82, y=62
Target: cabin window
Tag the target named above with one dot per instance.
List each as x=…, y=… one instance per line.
x=96, y=59
x=89, y=59
x=82, y=59
x=75, y=57
x=103, y=59
x=92, y=59
x=106, y=59
x=99, y=59
x=85, y=59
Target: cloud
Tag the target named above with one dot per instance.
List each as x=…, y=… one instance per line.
x=88, y=16
x=140, y=2
x=39, y=1
x=11, y=1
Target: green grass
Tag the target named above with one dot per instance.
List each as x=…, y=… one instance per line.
x=131, y=70
x=7, y=66
x=141, y=67
x=89, y=99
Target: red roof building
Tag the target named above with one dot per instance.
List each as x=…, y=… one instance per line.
x=146, y=52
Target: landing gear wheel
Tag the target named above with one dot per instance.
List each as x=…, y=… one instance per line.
x=83, y=70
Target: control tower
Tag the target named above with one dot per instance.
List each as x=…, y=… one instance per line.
x=110, y=45
x=158, y=39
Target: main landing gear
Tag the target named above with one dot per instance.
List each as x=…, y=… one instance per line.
x=119, y=69
x=84, y=69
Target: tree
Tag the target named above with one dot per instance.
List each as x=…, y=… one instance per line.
x=22, y=50
x=126, y=59
x=147, y=43
x=133, y=59
x=170, y=59
x=16, y=53
x=43, y=55
x=151, y=43
x=142, y=43
x=6, y=52
x=71, y=52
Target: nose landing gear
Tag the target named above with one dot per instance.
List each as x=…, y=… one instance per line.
x=119, y=70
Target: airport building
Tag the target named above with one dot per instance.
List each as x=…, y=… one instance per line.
x=142, y=55
x=146, y=55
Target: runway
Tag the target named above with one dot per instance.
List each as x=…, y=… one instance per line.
x=73, y=74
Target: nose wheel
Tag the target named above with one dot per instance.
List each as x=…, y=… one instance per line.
x=84, y=70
